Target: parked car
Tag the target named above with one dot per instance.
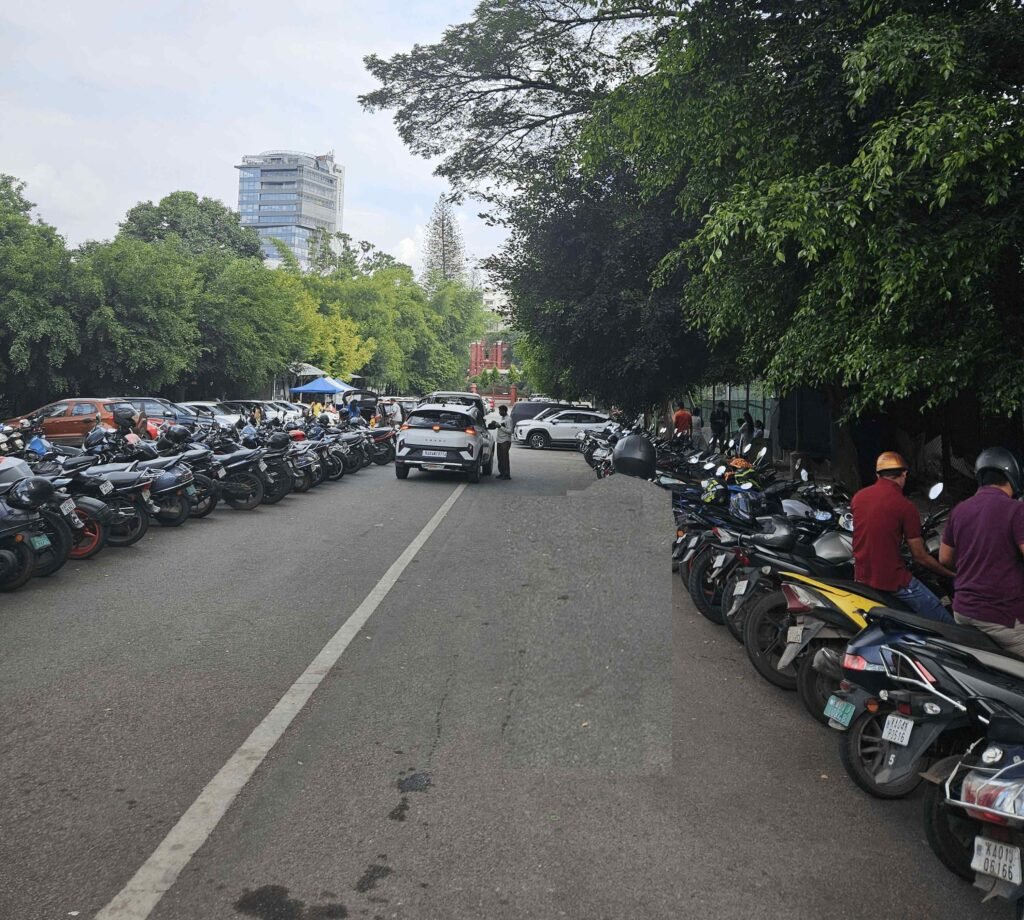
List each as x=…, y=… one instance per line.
x=445, y=436
x=558, y=428
x=532, y=408
x=68, y=421
x=456, y=398
x=215, y=410
x=159, y=410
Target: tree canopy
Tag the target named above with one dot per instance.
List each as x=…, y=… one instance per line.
x=836, y=187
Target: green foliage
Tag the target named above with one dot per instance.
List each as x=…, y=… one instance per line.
x=37, y=328
x=202, y=225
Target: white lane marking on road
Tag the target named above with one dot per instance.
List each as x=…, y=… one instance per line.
x=158, y=873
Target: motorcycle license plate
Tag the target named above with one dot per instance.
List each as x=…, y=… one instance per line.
x=263, y=467
x=897, y=730
x=190, y=490
x=689, y=555
x=739, y=588
x=794, y=634
x=221, y=473
x=67, y=506
x=106, y=487
x=720, y=560
x=40, y=542
x=434, y=453
x=1000, y=860
x=837, y=710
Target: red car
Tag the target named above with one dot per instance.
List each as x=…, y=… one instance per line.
x=70, y=420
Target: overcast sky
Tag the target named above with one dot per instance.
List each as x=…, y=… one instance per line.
x=105, y=103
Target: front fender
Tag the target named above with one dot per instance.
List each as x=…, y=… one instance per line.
x=97, y=509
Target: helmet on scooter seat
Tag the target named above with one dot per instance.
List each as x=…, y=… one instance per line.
x=250, y=441
x=1003, y=461
x=30, y=493
x=146, y=450
x=279, y=440
x=634, y=455
x=291, y=426
x=324, y=419
x=179, y=434
x=95, y=437
x=297, y=434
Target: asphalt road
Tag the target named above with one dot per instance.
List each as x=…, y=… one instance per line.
x=533, y=723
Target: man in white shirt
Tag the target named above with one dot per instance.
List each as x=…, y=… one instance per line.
x=394, y=413
x=503, y=441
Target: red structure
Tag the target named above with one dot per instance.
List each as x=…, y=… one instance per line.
x=484, y=356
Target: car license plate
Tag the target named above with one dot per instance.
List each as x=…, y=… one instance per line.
x=840, y=711
x=67, y=506
x=106, y=487
x=433, y=466
x=794, y=634
x=221, y=473
x=263, y=467
x=40, y=542
x=897, y=730
x=739, y=588
x=999, y=860
x=435, y=453
x=190, y=490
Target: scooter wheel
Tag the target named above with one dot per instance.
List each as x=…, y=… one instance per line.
x=707, y=595
x=862, y=752
x=950, y=832
x=764, y=637
x=174, y=513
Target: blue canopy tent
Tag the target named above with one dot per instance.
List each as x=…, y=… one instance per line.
x=323, y=386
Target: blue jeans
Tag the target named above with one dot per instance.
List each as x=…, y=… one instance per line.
x=925, y=604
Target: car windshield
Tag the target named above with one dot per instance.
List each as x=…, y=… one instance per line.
x=447, y=421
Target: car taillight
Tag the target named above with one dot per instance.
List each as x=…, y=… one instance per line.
x=854, y=662
x=471, y=431
x=799, y=600
x=436, y=428
x=404, y=428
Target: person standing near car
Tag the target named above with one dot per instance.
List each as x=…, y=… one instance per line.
x=503, y=441
x=682, y=421
x=984, y=538
x=883, y=517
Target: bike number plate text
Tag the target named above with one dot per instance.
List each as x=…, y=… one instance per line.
x=720, y=560
x=839, y=711
x=739, y=588
x=190, y=490
x=795, y=634
x=897, y=730
x=1000, y=860
x=67, y=506
x=263, y=467
x=221, y=473
x=40, y=542
x=106, y=487
x=689, y=555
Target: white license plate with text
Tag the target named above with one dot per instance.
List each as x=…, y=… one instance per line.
x=1000, y=860
x=106, y=488
x=435, y=453
x=67, y=506
x=897, y=730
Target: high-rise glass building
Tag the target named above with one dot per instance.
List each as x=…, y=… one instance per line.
x=290, y=195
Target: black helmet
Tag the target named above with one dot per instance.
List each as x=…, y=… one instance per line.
x=146, y=450
x=95, y=437
x=30, y=493
x=124, y=416
x=279, y=440
x=324, y=419
x=1003, y=461
x=179, y=434
x=291, y=426
x=634, y=455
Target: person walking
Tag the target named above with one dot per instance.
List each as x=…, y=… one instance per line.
x=682, y=421
x=503, y=441
x=719, y=423
x=984, y=538
x=882, y=519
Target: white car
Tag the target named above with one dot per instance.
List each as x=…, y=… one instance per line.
x=445, y=436
x=222, y=414
x=558, y=428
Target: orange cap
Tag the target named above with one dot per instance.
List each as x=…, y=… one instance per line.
x=890, y=460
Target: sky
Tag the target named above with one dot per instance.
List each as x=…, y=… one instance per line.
x=107, y=103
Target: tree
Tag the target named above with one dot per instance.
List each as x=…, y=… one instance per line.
x=204, y=225
x=37, y=328
x=136, y=306
x=444, y=253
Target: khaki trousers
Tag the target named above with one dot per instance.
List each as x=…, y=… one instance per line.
x=1010, y=638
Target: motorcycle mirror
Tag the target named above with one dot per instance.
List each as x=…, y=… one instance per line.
x=746, y=448
x=720, y=470
x=804, y=475
x=732, y=443
x=935, y=491
x=709, y=465
x=762, y=452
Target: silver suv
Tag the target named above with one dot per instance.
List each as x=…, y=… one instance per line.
x=445, y=436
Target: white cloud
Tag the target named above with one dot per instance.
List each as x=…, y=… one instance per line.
x=112, y=102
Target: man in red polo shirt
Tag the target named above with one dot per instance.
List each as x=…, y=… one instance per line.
x=985, y=538
x=882, y=519
x=682, y=421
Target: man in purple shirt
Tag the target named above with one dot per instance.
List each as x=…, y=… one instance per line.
x=984, y=539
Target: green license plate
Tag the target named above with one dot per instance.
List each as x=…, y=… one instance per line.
x=837, y=710
x=40, y=542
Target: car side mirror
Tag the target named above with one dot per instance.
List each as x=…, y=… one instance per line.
x=168, y=413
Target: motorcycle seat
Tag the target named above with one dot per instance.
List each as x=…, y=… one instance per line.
x=966, y=636
x=161, y=463
x=855, y=587
x=78, y=463
x=196, y=454
x=103, y=469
